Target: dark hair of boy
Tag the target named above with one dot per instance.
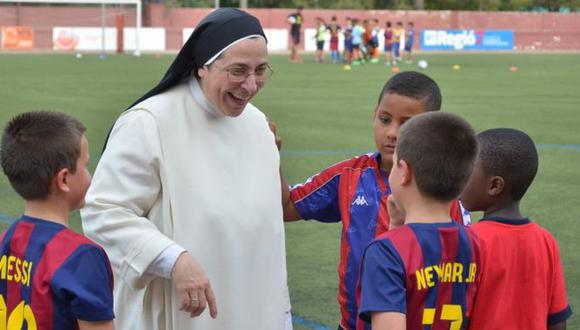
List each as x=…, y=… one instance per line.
x=410, y=24
x=441, y=149
x=35, y=146
x=510, y=154
x=388, y=24
x=415, y=85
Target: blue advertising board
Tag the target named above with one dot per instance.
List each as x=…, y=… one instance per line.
x=467, y=40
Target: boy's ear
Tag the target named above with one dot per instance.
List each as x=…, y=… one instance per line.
x=61, y=180
x=406, y=172
x=495, y=186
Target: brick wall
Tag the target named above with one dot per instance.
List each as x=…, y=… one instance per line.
x=540, y=31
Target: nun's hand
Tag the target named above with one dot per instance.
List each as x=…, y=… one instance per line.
x=274, y=129
x=193, y=286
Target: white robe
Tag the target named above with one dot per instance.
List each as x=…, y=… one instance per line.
x=174, y=172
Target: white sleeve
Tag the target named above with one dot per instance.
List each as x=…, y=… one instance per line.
x=125, y=186
x=162, y=266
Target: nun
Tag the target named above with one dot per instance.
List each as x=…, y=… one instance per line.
x=186, y=198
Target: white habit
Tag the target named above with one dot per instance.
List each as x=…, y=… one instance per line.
x=174, y=170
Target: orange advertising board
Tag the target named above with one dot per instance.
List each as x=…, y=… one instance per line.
x=17, y=37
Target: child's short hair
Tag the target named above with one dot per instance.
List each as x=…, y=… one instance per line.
x=440, y=149
x=415, y=85
x=35, y=146
x=511, y=154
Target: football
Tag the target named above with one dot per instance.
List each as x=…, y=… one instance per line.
x=422, y=64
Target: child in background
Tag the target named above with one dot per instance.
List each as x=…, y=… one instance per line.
x=295, y=20
x=334, y=29
x=425, y=273
x=357, y=42
x=376, y=30
x=409, y=41
x=522, y=284
x=388, y=34
x=398, y=42
x=367, y=40
x=320, y=38
x=55, y=278
x=347, y=52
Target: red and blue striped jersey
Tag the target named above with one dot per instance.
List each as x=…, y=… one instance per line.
x=50, y=277
x=428, y=271
x=521, y=269
x=354, y=192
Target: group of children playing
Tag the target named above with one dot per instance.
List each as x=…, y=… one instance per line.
x=361, y=41
x=408, y=258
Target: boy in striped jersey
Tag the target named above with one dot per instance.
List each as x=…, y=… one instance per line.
x=424, y=274
x=51, y=277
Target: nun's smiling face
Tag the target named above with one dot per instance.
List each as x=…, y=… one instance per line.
x=234, y=78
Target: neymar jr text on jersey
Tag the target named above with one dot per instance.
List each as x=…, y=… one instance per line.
x=448, y=272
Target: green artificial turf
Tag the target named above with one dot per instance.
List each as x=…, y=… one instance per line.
x=324, y=114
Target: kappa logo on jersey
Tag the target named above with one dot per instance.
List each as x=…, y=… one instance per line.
x=360, y=201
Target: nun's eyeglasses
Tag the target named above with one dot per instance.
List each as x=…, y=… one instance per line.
x=240, y=74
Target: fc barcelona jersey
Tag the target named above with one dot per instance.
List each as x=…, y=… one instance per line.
x=428, y=271
x=353, y=192
x=50, y=277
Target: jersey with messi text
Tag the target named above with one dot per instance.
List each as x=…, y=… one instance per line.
x=50, y=277
x=427, y=271
x=353, y=192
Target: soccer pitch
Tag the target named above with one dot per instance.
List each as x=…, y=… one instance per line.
x=325, y=115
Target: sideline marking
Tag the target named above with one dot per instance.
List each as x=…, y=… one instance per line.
x=6, y=218
x=574, y=147
x=309, y=324
x=356, y=151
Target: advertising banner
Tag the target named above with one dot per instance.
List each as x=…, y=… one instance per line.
x=91, y=39
x=467, y=40
x=17, y=37
x=277, y=38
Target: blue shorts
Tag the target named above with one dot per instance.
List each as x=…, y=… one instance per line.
x=396, y=47
x=408, y=47
x=348, y=45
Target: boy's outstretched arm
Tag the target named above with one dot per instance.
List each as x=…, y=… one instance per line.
x=99, y=325
x=558, y=326
x=389, y=320
x=290, y=211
